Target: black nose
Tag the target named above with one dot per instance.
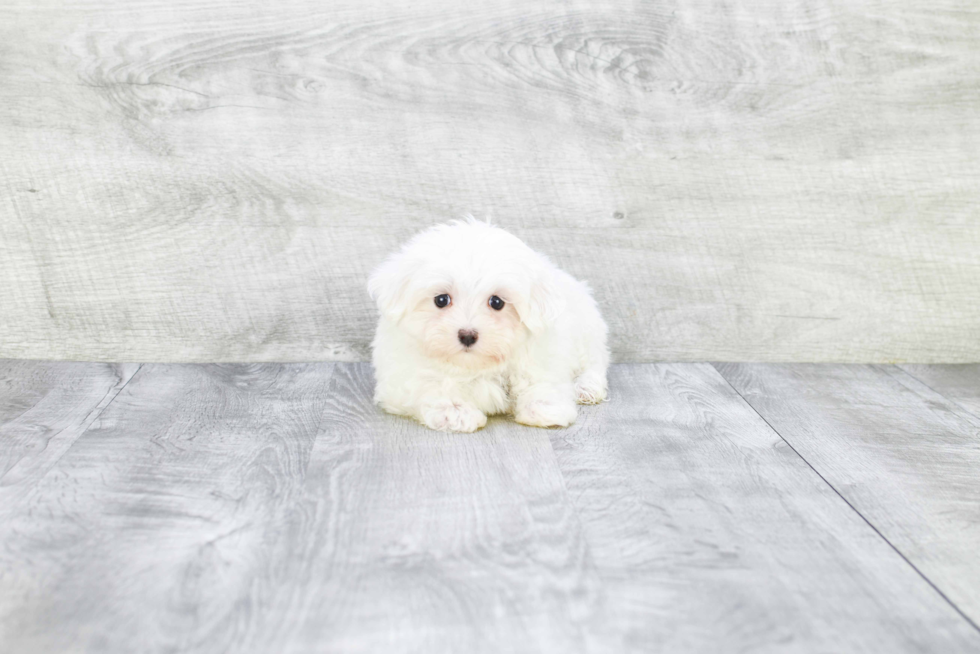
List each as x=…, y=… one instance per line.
x=468, y=337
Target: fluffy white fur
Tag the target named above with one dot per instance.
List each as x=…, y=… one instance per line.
x=535, y=358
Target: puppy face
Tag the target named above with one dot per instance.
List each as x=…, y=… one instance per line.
x=468, y=293
x=468, y=327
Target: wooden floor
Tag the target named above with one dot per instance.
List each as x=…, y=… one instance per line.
x=704, y=508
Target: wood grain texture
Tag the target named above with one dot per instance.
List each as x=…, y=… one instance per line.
x=410, y=540
x=45, y=407
x=187, y=181
x=958, y=383
x=144, y=535
x=273, y=508
x=199, y=515
x=708, y=533
x=904, y=456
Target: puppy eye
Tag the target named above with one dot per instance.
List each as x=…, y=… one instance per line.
x=443, y=301
x=496, y=303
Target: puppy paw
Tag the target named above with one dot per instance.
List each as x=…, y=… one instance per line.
x=546, y=413
x=453, y=416
x=590, y=388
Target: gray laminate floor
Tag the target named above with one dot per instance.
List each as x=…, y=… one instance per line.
x=272, y=508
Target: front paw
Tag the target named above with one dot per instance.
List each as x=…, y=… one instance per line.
x=452, y=416
x=591, y=388
x=546, y=413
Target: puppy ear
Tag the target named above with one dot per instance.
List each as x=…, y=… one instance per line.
x=388, y=286
x=543, y=302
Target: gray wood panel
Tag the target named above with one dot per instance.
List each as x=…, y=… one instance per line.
x=187, y=181
x=708, y=533
x=904, y=456
x=410, y=540
x=143, y=537
x=258, y=508
x=45, y=407
x=959, y=383
x=199, y=515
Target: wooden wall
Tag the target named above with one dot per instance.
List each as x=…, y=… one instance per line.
x=764, y=180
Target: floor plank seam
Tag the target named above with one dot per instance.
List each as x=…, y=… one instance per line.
x=942, y=395
x=118, y=393
x=88, y=424
x=319, y=425
x=853, y=508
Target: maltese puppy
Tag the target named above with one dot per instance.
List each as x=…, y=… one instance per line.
x=475, y=323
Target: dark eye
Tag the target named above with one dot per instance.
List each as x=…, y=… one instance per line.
x=443, y=301
x=496, y=303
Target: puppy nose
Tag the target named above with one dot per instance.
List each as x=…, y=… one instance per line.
x=468, y=336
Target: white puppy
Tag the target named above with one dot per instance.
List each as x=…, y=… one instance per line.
x=474, y=323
